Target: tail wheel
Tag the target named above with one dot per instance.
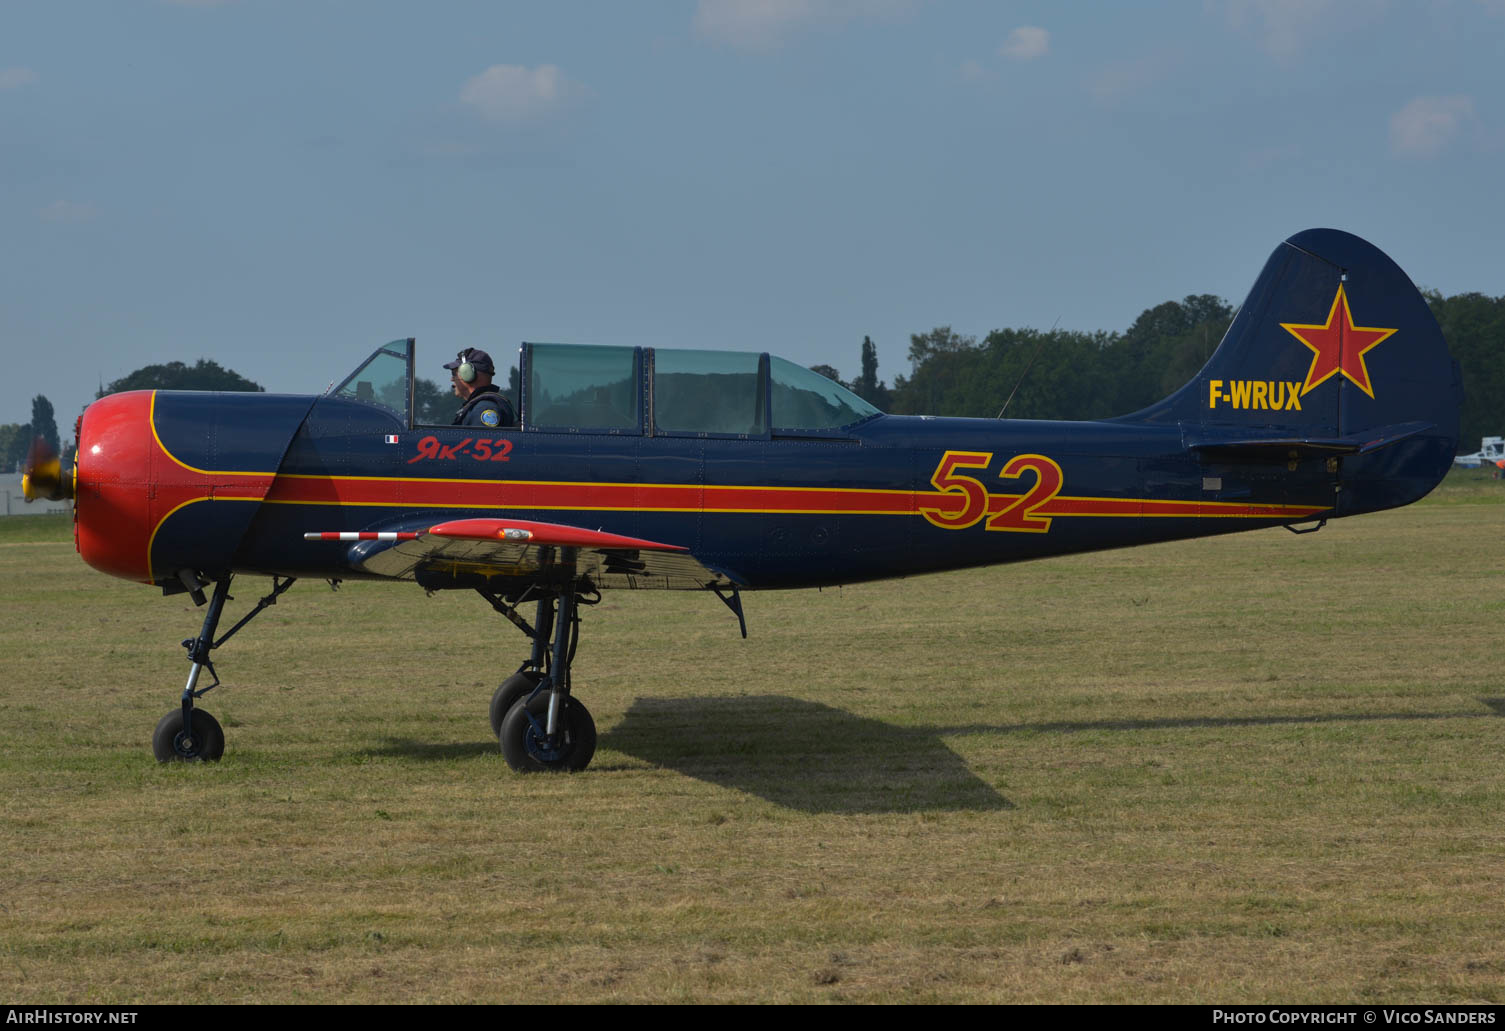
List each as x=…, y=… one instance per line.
x=529, y=750
x=205, y=741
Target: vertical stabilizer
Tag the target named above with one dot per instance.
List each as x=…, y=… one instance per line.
x=1335, y=346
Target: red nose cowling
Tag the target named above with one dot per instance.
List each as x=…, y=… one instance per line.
x=116, y=506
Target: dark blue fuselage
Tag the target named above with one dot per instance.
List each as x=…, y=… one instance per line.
x=774, y=513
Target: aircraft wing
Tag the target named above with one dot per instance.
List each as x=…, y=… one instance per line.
x=525, y=549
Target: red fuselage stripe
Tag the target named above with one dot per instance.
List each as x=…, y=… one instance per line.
x=639, y=497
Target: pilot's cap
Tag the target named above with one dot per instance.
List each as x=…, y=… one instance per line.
x=475, y=356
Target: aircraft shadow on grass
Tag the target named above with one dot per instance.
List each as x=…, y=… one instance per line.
x=808, y=756
x=802, y=754
x=794, y=753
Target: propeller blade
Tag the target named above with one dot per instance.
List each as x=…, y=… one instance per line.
x=42, y=475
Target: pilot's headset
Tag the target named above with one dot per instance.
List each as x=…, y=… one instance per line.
x=466, y=371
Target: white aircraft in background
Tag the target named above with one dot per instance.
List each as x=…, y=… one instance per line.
x=1491, y=450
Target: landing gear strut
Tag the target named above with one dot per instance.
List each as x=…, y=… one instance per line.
x=540, y=725
x=188, y=734
x=533, y=669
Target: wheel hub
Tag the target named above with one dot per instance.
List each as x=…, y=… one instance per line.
x=540, y=746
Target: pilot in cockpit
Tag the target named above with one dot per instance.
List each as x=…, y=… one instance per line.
x=483, y=402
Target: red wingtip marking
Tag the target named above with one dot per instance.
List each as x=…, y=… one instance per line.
x=545, y=533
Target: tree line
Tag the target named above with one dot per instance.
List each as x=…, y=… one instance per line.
x=1054, y=374
x=1067, y=374
x=16, y=438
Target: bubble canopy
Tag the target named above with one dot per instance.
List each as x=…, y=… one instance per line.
x=640, y=391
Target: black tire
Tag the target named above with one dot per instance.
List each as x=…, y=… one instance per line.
x=522, y=741
x=206, y=744
x=518, y=685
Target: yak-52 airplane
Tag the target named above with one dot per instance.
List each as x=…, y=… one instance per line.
x=1333, y=394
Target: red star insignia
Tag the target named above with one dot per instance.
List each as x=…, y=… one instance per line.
x=1338, y=346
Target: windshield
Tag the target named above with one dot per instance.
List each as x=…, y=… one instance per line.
x=382, y=379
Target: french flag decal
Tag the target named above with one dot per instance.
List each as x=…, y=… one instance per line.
x=391, y=438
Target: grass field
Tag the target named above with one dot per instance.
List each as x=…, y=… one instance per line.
x=1252, y=768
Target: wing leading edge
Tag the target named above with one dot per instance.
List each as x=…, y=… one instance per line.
x=525, y=550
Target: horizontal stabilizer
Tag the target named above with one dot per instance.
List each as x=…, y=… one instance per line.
x=1280, y=449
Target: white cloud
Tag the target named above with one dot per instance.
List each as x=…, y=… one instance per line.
x=1026, y=43
x=513, y=94
x=1124, y=78
x=1282, y=26
x=1285, y=28
x=750, y=23
x=10, y=78
x=972, y=71
x=66, y=211
x=1428, y=124
x=764, y=24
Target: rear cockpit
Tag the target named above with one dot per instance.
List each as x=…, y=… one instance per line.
x=637, y=391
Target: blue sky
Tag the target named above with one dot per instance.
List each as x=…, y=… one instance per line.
x=280, y=186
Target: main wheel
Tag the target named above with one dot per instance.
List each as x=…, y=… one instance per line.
x=518, y=685
x=205, y=743
x=525, y=746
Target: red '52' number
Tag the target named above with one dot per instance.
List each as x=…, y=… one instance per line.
x=974, y=496
x=481, y=450
x=1019, y=514
x=968, y=500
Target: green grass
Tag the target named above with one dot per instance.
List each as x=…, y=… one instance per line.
x=1251, y=768
x=31, y=529
x=1469, y=487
